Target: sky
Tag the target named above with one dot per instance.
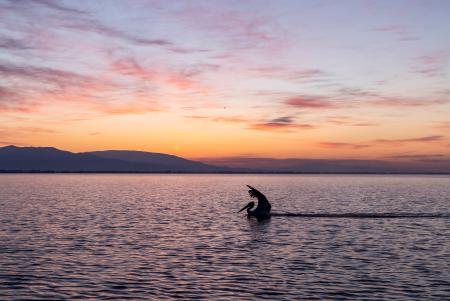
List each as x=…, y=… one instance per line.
x=203, y=79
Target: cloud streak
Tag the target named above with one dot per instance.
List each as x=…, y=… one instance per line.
x=422, y=157
x=424, y=139
x=377, y=142
x=337, y=145
x=281, y=124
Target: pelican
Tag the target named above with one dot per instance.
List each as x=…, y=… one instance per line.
x=262, y=211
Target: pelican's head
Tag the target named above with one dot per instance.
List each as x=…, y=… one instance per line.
x=248, y=206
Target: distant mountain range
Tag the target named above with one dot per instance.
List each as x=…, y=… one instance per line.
x=49, y=159
x=13, y=158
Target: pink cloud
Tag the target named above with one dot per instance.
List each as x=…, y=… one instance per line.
x=310, y=102
x=184, y=79
x=129, y=66
x=40, y=86
x=354, y=98
x=12, y=101
x=432, y=64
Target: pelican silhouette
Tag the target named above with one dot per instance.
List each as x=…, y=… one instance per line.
x=261, y=211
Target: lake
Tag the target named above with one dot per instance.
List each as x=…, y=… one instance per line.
x=140, y=237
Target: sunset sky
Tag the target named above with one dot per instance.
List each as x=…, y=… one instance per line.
x=281, y=79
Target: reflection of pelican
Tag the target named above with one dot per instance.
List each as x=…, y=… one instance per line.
x=262, y=210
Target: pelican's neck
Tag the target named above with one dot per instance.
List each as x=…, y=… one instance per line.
x=249, y=210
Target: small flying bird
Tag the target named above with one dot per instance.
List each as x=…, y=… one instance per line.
x=262, y=211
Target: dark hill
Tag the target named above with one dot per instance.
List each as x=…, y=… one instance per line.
x=167, y=162
x=14, y=158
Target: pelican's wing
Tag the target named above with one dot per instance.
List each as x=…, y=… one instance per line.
x=262, y=200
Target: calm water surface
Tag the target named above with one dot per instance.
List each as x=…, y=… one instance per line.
x=179, y=236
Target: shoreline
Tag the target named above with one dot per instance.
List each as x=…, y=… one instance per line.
x=224, y=172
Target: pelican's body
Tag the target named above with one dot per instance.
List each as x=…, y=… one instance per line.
x=262, y=210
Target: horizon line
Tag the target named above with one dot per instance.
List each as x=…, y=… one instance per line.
x=407, y=158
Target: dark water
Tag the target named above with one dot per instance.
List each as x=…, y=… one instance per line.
x=179, y=236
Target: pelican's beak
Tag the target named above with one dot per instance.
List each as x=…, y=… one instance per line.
x=245, y=207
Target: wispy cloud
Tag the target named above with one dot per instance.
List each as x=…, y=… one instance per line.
x=349, y=121
x=57, y=15
x=443, y=125
x=130, y=67
x=42, y=84
x=329, y=144
x=32, y=129
x=55, y=77
x=376, y=99
x=13, y=44
x=347, y=145
x=55, y=5
x=424, y=139
x=421, y=157
x=185, y=79
x=17, y=133
x=432, y=64
x=235, y=30
x=13, y=101
x=288, y=74
x=310, y=102
x=356, y=98
x=90, y=25
x=232, y=119
x=402, y=33
x=357, y=92
x=406, y=102
x=227, y=119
